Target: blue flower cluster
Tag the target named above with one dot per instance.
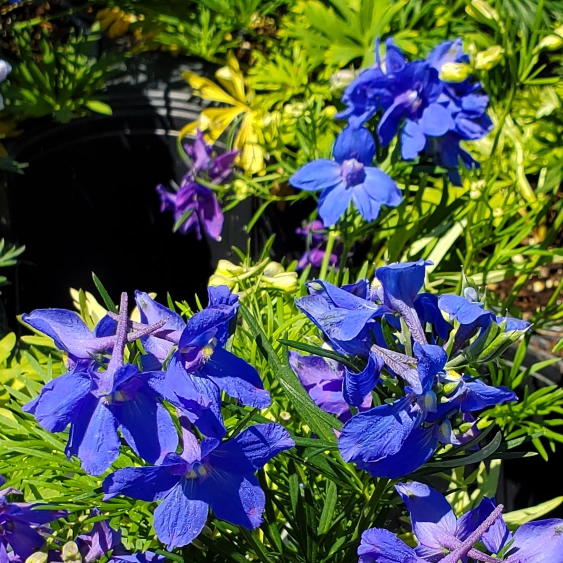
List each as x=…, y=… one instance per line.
x=404, y=340
x=443, y=538
x=415, y=101
x=187, y=366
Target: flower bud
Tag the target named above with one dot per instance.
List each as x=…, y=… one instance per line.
x=339, y=80
x=273, y=269
x=286, y=282
x=217, y=279
x=70, y=553
x=454, y=72
x=481, y=8
x=488, y=59
x=228, y=269
x=37, y=557
x=552, y=42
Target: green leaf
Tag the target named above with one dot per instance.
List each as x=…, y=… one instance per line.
x=104, y=294
x=519, y=517
x=328, y=508
x=319, y=421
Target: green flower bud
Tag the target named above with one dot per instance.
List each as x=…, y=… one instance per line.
x=486, y=60
x=70, y=553
x=454, y=72
x=552, y=42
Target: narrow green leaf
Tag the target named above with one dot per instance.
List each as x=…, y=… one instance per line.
x=319, y=421
x=328, y=509
x=104, y=294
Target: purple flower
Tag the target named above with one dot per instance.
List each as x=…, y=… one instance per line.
x=22, y=526
x=350, y=177
x=96, y=403
x=332, y=386
x=103, y=538
x=316, y=239
x=196, y=207
x=212, y=475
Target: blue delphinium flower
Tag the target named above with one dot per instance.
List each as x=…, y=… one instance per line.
x=350, y=177
x=22, y=526
x=440, y=535
x=96, y=403
x=444, y=538
x=212, y=475
x=5, y=69
x=395, y=439
x=203, y=366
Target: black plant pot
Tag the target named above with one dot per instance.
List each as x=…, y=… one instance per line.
x=87, y=201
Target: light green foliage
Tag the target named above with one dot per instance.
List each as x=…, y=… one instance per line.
x=55, y=80
x=8, y=255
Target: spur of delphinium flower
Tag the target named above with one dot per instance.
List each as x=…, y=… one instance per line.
x=396, y=438
x=201, y=367
x=332, y=386
x=441, y=537
x=103, y=539
x=315, y=234
x=194, y=205
x=22, y=525
x=210, y=474
x=98, y=402
x=350, y=177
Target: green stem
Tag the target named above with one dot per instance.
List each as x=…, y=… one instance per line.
x=328, y=251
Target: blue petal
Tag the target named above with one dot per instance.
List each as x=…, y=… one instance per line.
x=431, y=360
x=66, y=328
x=357, y=386
x=237, y=378
x=93, y=437
x=146, y=483
x=179, y=519
x=478, y=395
x=151, y=313
x=390, y=122
x=378, y=433
x=221, y=295
x=463, y=311
x=250, y=450
x=23, y=539
x=415, y=451
x=394, y=59
x=413, y=140
x=317, y=175
x=475, y=103
x=426, y=305
x=436, y=120
x=176, y=386
x=147, y=427
x=314, y=370
x=334, y=202
x=60, y=401
x=358, y=144
x=431, y=515
x=236, y=498
x=472, y=519
x=498, y=535
x=513, y=324
x=446, y=52
x=402, y=281
x=208, y=420
x=538, y=542
x=382, y=546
